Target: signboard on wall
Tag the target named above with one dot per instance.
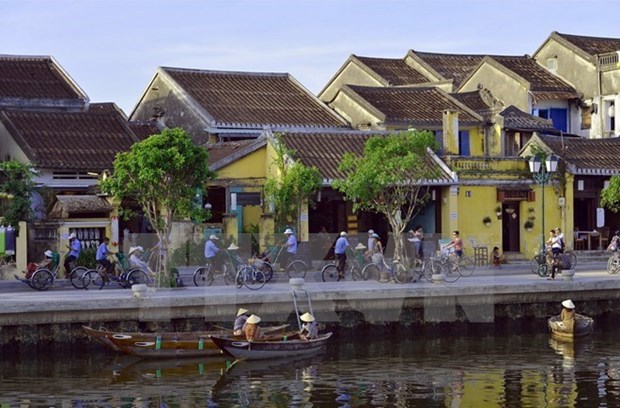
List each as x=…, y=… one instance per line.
x=600, y=217
x=248, y=199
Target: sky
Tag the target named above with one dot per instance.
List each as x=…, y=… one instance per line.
x=112, y=48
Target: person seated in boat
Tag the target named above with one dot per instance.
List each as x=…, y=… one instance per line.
x=242, y=317
x=251, y=329
x=310, y=328
x=567, y=316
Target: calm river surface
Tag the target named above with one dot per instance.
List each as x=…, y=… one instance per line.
x=499, y=370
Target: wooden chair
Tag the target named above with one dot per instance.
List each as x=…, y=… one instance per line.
x=580, y=243
x=604, y=237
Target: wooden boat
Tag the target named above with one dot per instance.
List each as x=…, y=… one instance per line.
x=166, y=345
x=584, y=325
x=270, y=348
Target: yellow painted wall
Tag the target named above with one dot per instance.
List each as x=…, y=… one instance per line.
x=251, y=215
x=476, y=141
x=251, y=165
x=476, y=202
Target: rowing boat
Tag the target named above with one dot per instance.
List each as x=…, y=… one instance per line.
x=166, y=345
x=271, y=348
x=584, y=325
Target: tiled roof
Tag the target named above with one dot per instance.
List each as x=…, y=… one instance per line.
x=514, y=118
x=222, y=150
x=412, y=105
x=76, y=141
x=394, y=70
x=325, y=151
x=587, y=156
x=593, y=45
x=254, y=99
x=480, y=101
x=29, y=77
x=143, y=129
x=547, y=85
x=450, y=66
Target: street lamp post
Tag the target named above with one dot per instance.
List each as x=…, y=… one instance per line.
x=541, y=173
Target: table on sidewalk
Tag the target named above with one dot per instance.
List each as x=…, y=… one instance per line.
x=590, y=235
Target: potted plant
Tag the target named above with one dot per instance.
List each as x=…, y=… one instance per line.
x=498, y=212
x=487, y=221
x=529, y=224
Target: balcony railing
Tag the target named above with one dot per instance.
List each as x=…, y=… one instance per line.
x=488, y=167
x=609, y=61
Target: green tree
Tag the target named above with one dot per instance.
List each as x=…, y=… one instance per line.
x=162, y=173
x=15, y=191
x=292, y=185
x=389, y=177
x=610, y=197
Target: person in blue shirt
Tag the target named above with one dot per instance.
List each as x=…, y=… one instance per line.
x=212, y=252
x=102, y=253
x=290, y=247
x=75, y=246
x=340, y=252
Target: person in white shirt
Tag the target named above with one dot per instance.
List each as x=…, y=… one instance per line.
x=371, y=244
x=290, y=248
x=135, y=259
x=310, y=328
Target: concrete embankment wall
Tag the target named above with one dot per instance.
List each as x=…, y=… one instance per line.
x=31, y=318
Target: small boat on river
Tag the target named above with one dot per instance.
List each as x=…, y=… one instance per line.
x=166, y=345
x=271, y=348
x=584, y=325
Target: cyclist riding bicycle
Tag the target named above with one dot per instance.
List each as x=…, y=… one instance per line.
x=102, y=254
x=212, y=253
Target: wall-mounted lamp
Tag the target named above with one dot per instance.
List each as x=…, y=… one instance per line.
x=208, y=206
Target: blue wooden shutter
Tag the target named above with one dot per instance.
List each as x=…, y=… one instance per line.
x=464, y=143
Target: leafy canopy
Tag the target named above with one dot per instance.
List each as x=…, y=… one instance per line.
x=610, y=197
x=15, y=191
x=389, y=174
x=294, y=184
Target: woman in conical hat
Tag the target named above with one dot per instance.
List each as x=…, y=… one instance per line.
x=310, y=328
x=242, y=317
x=251, y=329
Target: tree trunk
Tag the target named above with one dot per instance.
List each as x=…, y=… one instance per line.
x=397, y=225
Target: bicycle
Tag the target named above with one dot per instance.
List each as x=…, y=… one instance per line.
x=427, y=267
x=44, y=278
x=329, y=273
x=539, y=262
x=294, y=269
x=124, y=276
x=375, y=269
x=251, y=277
x=451, y=271
x=204, y=275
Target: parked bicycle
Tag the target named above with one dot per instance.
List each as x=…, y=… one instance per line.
x=44, y=278
x=121, y=274
x=250, y=276
x=540, y=259
x=613, y=263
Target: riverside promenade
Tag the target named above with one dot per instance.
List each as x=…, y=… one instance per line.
x=489, y=296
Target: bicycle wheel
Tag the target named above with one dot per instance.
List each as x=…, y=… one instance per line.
x=203, y=276
x=543, y=270
x=137, y=277
x=467, y=266
x=93, y=279
x=451, y=272
x=371, y=271
x=432, y=268
x=254, y=279
x=267, y=270
x=330, y=273
x=613, y=264
x=534, y=265
x=401, y=274
x=42, y=279
x=573, y=259
x=229, y=274
x=240, y=277
x=356, y=273
x=296, y=269
x=77, y=277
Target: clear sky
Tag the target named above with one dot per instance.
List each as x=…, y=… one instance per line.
x=112, y=48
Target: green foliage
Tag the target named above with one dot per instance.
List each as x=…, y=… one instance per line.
x=293, y=185
x=610, y=197
x=388, y=178
x=87, y=258
x=15, y=192
x=162, y=173
x=190, y=253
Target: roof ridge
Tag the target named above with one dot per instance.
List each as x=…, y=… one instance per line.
x=223, y=72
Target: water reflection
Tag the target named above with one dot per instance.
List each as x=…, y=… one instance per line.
x=502, y=370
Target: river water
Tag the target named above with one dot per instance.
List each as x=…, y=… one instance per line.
x=357, y=370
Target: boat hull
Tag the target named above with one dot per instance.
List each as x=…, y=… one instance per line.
x=165, y=345
x=258, y=350
x=584, y=325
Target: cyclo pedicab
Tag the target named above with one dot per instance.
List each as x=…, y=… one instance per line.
x=44, y=278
